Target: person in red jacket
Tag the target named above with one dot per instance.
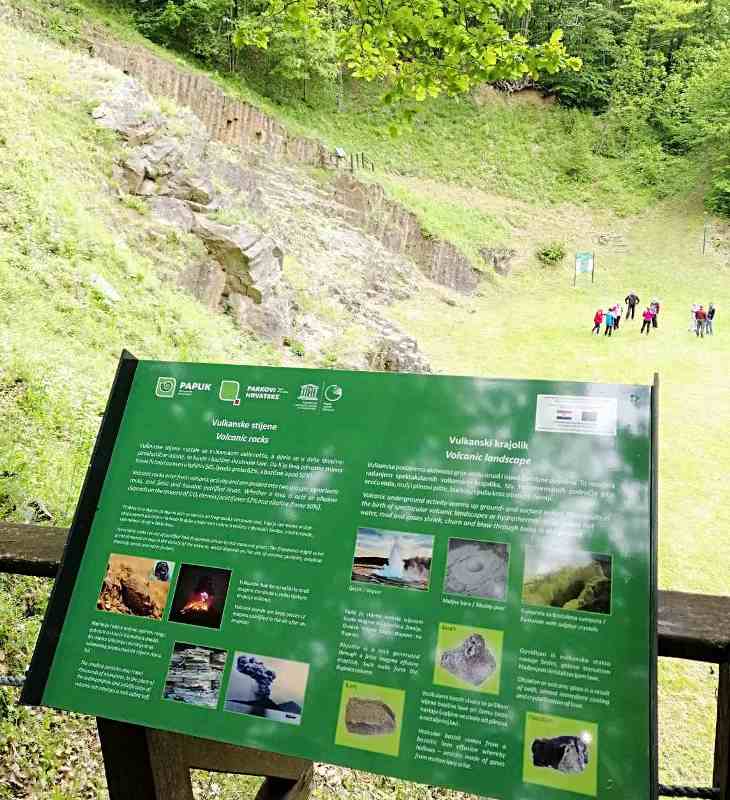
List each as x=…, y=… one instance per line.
x=701, y=318
x=647, y=316
x=597, y=321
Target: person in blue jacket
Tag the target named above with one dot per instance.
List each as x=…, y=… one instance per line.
x=608, y=319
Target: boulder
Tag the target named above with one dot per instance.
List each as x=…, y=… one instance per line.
x=252, y=261
x=270, y=318
x=196, y=188
x=133, y=173
x=128, y=110
x=397, y=353
x=499, y=258
x=173, y=212
x=163, y=156
x=104, y=288
x=205, y=281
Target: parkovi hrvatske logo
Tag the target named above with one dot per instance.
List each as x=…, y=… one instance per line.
x=229, y=392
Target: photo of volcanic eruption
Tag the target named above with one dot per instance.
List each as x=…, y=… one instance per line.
x=273, y=688
x=393, y=558
x=135, y=585
x=200, y=595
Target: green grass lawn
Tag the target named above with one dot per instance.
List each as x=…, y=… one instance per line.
x=536, y=325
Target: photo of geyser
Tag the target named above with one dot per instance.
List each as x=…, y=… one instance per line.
x=573, y=579
x=369, y=717
x=477, y=569
x=135, y=585
x=267, y=687
x=195, y=675
x=563, y=753
x=200, y=595
x=393, y=558
x=468, y=658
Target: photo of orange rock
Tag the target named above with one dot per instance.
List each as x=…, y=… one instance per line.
x=136, y=585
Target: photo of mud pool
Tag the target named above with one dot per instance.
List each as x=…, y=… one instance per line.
x=135, y=585
x=561, y=753
x=200, y=595
x=468, y=658
x=393, y=558
x=195, y=674
x=477, y=569
x=272, y=688
x=370, y=717
x=573, y=579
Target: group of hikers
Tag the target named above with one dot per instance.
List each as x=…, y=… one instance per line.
x=701, y=322
x=701, y=319
x=612, y=316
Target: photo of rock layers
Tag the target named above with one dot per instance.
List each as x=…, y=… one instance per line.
x=477, y=569
x=369, y=717
x=575, y=580
x=567, y=754
x=200, y=595
x=267, y=687
x=472, y=661
x=136, y=586
x=195, y=675
x=393, y=558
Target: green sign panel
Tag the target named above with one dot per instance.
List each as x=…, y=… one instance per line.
x=584, y=262
x=445, y=579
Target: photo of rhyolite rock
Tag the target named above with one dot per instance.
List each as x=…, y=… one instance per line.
x=471, y=661
x=564, y=753
x=584, y=585
x=136, y=586
x=477, y=569
x=369, y=717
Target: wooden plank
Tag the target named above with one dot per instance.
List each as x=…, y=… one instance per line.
x=220, y=757
x=694, y=626
x=282, y=789
x=721, y=775
x=31, y=549
x=126, y=760
x=170, y=772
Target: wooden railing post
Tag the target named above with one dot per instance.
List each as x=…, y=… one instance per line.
x=721, y=774
x=126, y=760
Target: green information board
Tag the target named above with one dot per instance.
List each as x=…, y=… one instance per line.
x=585, y=262
x=449, y=580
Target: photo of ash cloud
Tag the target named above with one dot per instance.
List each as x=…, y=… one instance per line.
x=135, y=585
x=195, y=675
x=200, y=595
x=393, y=558
x=569, y=578
x=273, y=688
x=477, y=568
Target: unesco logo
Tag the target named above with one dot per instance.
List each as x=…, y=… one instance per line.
x=166, y=387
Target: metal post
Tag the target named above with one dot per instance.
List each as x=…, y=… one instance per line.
x=593, y=271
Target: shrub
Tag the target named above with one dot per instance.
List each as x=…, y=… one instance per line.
x=552, y=253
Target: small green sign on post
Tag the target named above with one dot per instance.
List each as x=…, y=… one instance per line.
x=584, y=262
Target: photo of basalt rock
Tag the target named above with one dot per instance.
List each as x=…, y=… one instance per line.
x=369, y=717
x=195, y=675
x=135, y=585
x=575, y=580
x=477, y=569
x=564, y=753
x=393, y=558
x=200, y=595
x=273, y=688
x=471, y=661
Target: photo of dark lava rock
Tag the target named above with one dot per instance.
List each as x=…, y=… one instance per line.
x=369, y=717
x=135, y=585
x=200, y=595
x=563, y=753
x=195, y=675
x=575, y=580
x=477, y=569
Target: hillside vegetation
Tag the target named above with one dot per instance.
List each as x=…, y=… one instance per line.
x=496, y=174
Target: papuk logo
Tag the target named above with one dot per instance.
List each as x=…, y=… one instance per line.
x=165, y=387
x=229, y=392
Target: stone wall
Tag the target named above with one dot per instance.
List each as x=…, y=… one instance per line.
x=234, y=122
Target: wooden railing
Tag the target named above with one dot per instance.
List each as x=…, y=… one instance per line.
x=154, y=765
